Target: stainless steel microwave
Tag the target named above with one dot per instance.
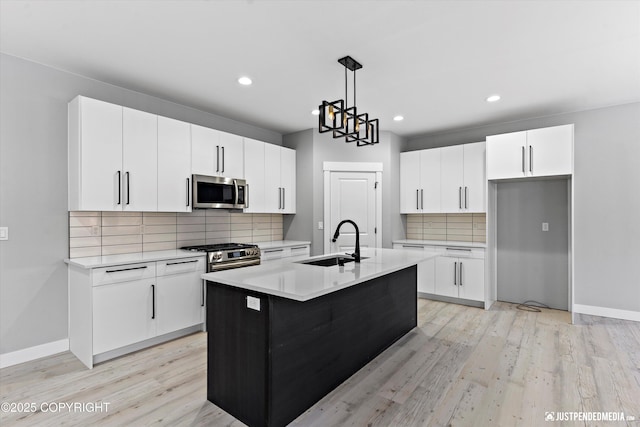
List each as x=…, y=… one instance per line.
x=217, y=192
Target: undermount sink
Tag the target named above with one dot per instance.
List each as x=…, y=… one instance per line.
x=330, y=261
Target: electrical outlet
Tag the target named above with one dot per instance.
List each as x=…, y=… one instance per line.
x=545, y=226
x=4, y=233
x=253, y=303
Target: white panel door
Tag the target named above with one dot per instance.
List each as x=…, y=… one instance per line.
x=174, y=165
x=353, y=196
x=451, y=173
x=122, y=314
x=179, y=301
x=205, y=145
x=288, y=179
x=273, y=189
x=550, y=151
x=254, y=162
x=507, y=155
x=140, y=160
x=100, y=155
x=474, y=177
x=446, y=276
x=230, y=156
x=430, y=180
x=471, y=279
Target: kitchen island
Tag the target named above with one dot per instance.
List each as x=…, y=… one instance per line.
x=283, y=334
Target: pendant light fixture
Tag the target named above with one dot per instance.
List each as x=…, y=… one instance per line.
x=344, y=121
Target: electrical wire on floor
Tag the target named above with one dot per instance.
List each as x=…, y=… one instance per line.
x=533, y=306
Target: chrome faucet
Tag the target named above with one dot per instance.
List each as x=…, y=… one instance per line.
x=356, y=254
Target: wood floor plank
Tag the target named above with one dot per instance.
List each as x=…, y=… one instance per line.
x=461, y=366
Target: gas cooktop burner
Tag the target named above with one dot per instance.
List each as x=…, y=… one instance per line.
x=218, y=247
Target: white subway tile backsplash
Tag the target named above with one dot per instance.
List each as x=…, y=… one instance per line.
x=106, y=233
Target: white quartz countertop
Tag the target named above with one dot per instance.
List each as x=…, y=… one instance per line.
x=276, y=244
x=440, y=243
x=301, y=282
x=123, y=259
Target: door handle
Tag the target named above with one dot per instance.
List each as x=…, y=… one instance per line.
x=531, y=159
x=460, y=275
x=466, y=197
x=523, y=159
x=279, y=197
x=222, y=159
x=127, y=176
x=202, y=303
x=188, y=191
x=246, y=196
x=217, y=158
x=455, y=273
x=417, y=199
x=119, y=187
x=284, y=194
x=460, y=197
x=421, y=198
x=153, y=301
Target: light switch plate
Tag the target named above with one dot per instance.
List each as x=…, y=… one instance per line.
x=253, y=303
x=320, y=225
x=4, y=233
x=545, y=226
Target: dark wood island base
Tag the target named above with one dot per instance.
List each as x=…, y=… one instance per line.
x=267, y=367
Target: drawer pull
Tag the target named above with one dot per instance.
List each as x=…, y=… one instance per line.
x=126, y=269
x=459, y=249
x=300, y=247
x=413, y=246
x=182, y=262
x=273, y=250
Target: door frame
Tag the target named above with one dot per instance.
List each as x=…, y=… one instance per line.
x=328, y=168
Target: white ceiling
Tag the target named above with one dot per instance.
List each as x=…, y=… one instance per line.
x=434, y=62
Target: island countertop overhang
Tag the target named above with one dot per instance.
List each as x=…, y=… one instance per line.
x=288, y=278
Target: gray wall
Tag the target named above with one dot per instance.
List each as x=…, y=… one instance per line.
x=33, y=190
x=317, y=148
x=606, y=198
x=533, y=264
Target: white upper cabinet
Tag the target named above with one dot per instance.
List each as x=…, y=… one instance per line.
x=95, y=155
x=463, y=178
x=254, y=175
x=448, y=179
x=271, y=176
x=174, y=165
x=533, y=153
x=216, y=153
x=140, y=160
x=420, y=181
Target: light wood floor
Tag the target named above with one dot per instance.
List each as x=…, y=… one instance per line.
x=462, y=366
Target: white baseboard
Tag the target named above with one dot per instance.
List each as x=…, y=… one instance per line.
x=32, y=353
x=607, y=312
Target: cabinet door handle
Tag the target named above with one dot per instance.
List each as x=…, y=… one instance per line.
x=460, y=275
x=188, y=191
x=222, y=159
x=182, y=262
x=466, y=197
x=284, y=194
x=127, y=177
x=460, y=197
x=279, y=197
x=246, y=197
x=202, y=303
x=455, y=273
x=421, y=198
x=217, y=158
x=417, y=199
x=119, y=187
x=523, y=159
x=531, y=159
x=127, y=269
x=153, y=301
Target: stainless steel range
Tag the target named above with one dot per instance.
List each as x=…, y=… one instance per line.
x=224, y=256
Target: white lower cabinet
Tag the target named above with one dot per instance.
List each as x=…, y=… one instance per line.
x=120, y=309
x=458, y=272
x=460, y=278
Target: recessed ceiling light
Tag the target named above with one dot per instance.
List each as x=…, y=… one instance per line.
x=398, y=118
x=493, y=98
x=245, y=81
x=315, y=112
